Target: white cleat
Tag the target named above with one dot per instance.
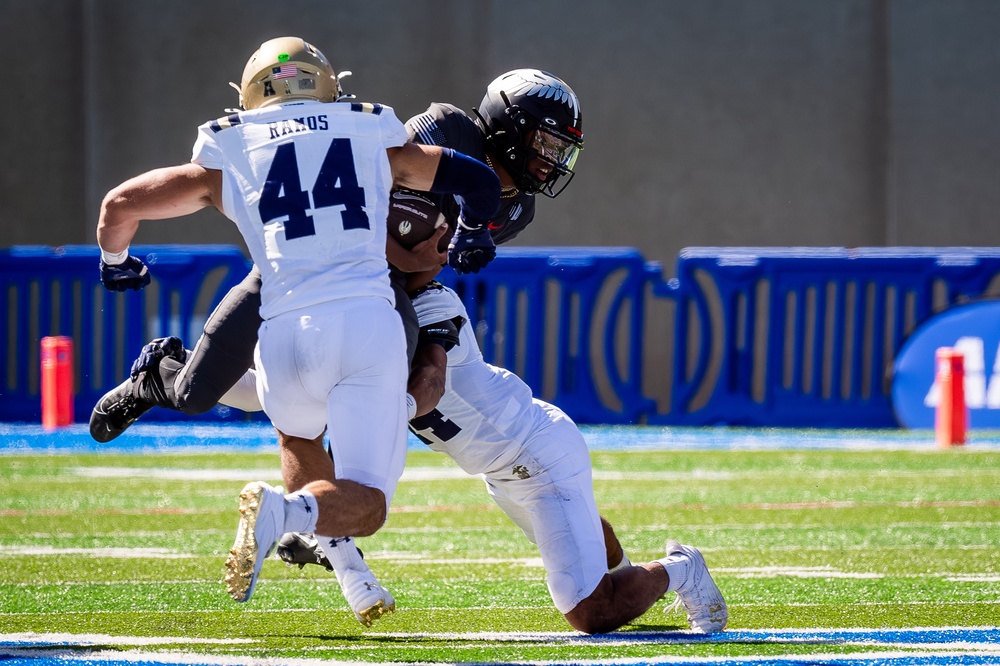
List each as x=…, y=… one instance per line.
x=262, y=522
x=368, y=599
x=699, y=595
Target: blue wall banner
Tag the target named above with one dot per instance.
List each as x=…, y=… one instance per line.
x=798, y=337
x=974, y=330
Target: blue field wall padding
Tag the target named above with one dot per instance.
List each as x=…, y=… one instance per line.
x=569, y=322
x=806, y=336
x=57, y=291
x=801, y=337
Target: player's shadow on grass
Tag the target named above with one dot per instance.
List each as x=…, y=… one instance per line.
x=676, y=633
x=653, y=628
x=379, y=638
x=653, y=633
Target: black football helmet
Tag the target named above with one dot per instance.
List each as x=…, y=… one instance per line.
x=528, y=114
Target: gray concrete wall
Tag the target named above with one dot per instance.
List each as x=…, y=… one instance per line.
x=707, y=122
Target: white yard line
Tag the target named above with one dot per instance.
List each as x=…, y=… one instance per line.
x=117, y=553
x=966, y=644
x=446, y=473
x=105, y=639
x=274, y=474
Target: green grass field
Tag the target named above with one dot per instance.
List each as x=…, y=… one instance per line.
x=132, y=546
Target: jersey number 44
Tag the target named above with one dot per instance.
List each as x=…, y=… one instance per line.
x=336, y=185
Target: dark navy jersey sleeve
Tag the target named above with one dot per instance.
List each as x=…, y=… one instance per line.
x=447, y=125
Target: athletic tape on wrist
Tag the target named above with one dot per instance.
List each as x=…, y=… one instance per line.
x=114, y=258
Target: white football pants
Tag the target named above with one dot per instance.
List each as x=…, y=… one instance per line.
x=549, y=493
x=342, y=368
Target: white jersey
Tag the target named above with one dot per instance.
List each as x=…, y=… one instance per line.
x=307, y=183
x=532, y=457
x=534, y=460
x=487, y=413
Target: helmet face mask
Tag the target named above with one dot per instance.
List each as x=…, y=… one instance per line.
x=533, y=124
x=287, y=69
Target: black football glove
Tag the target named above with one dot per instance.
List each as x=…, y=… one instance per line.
x=471, y=250
x=130, y=274
x=155, y=350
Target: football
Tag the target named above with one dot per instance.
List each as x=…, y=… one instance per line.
x=413, y=217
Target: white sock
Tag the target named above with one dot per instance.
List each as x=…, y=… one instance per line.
x=625, y=563
x=301, y=512
x=677, y=566
x=341, y=552
x=114, y=258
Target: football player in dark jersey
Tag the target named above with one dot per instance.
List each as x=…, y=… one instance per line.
x=536, y=467
x=528, y=128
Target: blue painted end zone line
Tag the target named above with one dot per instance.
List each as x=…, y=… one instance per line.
x=256, y=436
x=922, y=647
x=831, y=660
x=895, y=659
x=140, y=438
x=979, y=638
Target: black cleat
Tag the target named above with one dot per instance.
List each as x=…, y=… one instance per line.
x=116, y=411
x=123, y=405
x=302, y=549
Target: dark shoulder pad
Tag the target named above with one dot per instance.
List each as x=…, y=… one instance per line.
x=447, y=125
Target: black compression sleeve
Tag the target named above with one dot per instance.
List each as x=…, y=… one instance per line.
x=444, y=333
x=475, y=186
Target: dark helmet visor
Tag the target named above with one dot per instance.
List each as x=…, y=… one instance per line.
x=555, y=149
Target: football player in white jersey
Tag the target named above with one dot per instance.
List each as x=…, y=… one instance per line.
x=536, y=466
x=306, y=179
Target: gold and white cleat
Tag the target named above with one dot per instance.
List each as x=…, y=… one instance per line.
x=262, y=520
x=368, y=599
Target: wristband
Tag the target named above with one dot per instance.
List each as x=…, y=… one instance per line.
x=411, y=407
x=624, y=564
x=114, y=258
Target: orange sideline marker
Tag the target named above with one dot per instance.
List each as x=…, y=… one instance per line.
x=951, y=417
x=57, y=381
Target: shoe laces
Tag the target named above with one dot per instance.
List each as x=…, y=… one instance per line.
x=677, y=605
x=119, y=411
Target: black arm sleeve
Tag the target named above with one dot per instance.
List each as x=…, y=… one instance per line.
x=475, y=186
x=444, y=333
